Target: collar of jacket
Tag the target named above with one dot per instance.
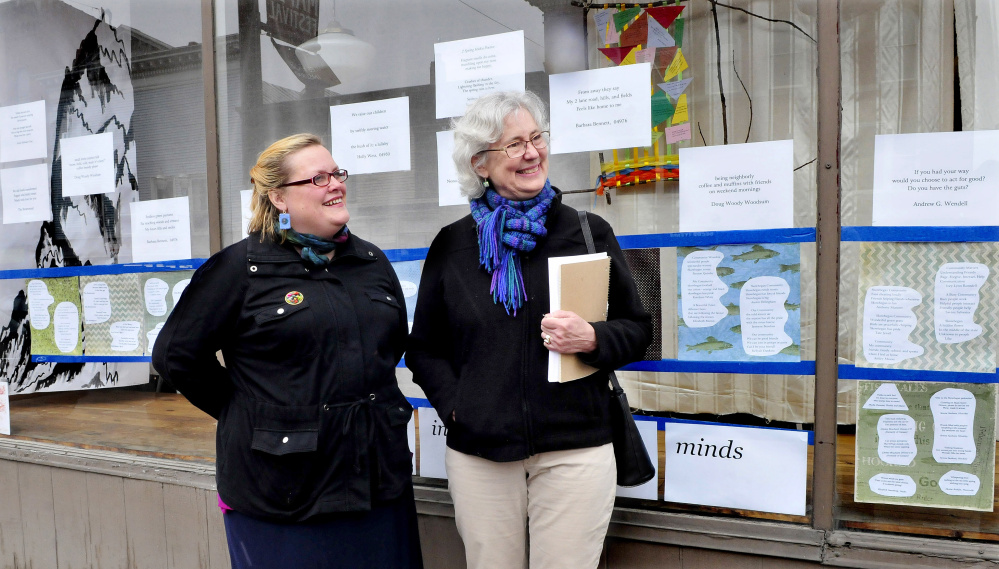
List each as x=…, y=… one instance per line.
x=270, y=251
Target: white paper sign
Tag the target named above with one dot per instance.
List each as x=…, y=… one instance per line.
x=737, y=186
x=448, y=190
x=411, y=438
x=178, y=290
x=154, y=293
x=22, y=132
x=4, y=408
x=940, y=178
x=25, y=193
x=433, y=439
x=246, y=211
x=955, y=300
x=66, y=326
x=96, y=299
x=371, y=137
x=465, y=70
x=701, y=289
x=39, y=301
x=161, y=230
x=761, y=302
x=953, y=426
x=151, y=338
x=601, y=108
x=886, y=397
x=650, y=490
x=957, y=483
x=88, y=164
x=736, y=467
x=895, y=485
x=125, y=335
x=888, y=321
x=896, y=439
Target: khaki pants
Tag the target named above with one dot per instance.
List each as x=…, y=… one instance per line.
x=566, y=497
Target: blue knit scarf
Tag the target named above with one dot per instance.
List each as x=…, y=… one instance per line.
x=506, y=227
x=314, y=249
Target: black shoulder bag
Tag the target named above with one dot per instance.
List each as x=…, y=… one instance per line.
x=634, y=467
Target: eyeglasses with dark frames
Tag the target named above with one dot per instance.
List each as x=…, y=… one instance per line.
x=517, y=149
x=321, y=179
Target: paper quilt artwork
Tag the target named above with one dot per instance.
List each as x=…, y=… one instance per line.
x=112, y=315
x=929, y=306
x=739, y=302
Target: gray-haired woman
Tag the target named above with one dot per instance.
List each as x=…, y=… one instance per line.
x=524, y=455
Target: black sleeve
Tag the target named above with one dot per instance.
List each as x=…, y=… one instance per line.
x=626, y=334
x=205, y=316
x=402, y=335
x=430, y=346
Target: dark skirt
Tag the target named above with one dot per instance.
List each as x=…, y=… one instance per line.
x=385, y=537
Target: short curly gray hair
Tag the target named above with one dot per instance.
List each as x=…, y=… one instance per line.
x=481, y=126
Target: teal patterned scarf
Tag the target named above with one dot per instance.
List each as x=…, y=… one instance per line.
x=314, y=249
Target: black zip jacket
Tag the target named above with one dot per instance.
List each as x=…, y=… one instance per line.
x=491, y=369
x=310, y=417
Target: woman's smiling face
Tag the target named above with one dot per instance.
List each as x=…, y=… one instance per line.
x=516, y=178
x=321, y=211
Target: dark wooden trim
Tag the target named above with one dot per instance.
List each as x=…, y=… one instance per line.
x=211, y=125
x=827, y=267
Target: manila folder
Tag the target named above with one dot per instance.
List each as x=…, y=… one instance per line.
x=583, y=288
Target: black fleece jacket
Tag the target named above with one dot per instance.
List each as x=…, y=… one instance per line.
x=490, y=368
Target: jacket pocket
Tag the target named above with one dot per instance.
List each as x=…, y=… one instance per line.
x=279, y=442
x=383, y=297
x=395, y=460
x=282, y=332
x=284, y=461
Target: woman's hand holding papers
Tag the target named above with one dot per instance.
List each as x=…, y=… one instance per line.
x=565, y=332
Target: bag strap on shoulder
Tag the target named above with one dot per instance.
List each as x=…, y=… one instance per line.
x=584, y=223
x=587, y=236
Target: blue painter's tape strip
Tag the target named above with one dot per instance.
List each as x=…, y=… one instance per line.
x=928, y=234
x=702, y=238
x=854, y=372
x=396, y=255
x=659, y=421
x=664, y=420
x=82, y=359
x=95, y=270
x=772, y=368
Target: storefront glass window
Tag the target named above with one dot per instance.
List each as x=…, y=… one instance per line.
x=917, y=400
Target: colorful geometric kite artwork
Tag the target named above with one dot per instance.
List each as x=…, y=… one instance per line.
x=648, y=35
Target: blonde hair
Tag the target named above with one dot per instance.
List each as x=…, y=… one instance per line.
x=268, y=175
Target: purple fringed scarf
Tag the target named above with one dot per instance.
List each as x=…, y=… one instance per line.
x=506, y=227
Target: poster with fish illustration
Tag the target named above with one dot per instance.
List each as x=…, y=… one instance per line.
x=930, y=306
x=739, y=302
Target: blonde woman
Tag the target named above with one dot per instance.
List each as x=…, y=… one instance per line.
x=313, y=462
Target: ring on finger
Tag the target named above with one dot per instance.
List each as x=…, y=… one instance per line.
x=548, y=339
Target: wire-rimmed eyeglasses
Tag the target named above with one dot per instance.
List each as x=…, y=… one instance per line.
x=517, y=149
x=323, y=179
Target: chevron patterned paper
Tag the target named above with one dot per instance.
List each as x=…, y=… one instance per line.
x=126, y=315
x=915, y=265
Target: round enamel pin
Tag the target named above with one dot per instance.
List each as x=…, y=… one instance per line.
x=294, y=297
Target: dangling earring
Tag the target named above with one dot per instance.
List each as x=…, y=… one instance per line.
x=284, y=221
x=485, y=183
